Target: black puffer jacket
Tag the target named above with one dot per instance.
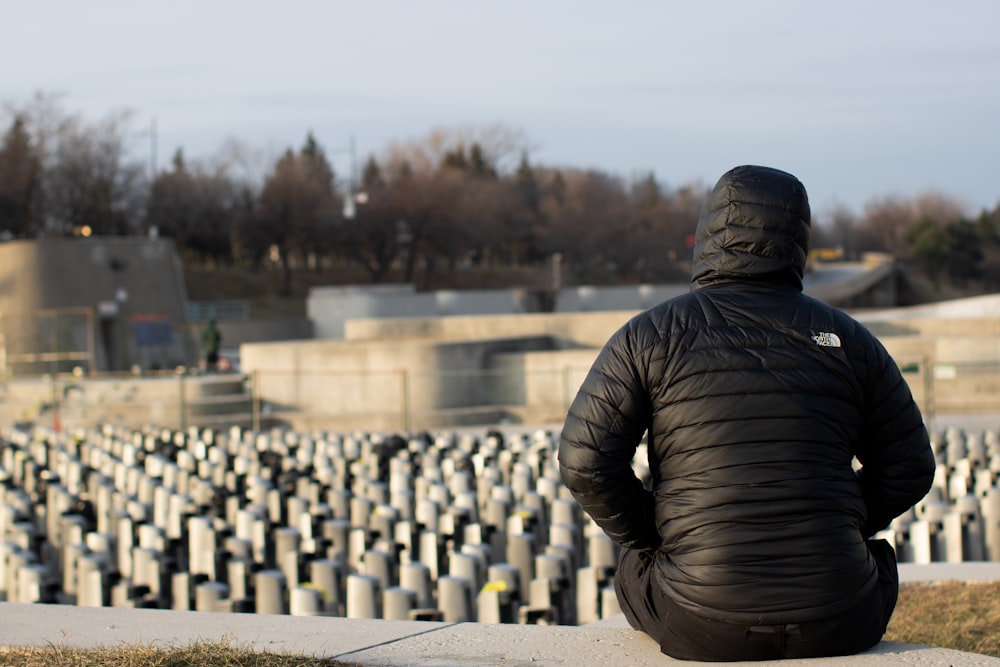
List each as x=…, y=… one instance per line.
x=756, y=398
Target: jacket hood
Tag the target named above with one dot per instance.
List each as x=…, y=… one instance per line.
x=754, y=226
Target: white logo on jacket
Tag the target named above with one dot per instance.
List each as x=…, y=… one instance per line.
x=826, y=339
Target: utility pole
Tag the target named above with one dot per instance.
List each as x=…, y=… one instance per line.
x=350, y=205
x=153, y=147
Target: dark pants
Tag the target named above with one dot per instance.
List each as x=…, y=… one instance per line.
x=687, y=636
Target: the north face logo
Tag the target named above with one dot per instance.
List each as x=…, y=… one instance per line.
x=826, y=339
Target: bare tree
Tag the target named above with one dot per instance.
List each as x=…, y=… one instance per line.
x=939, y=208
x=429, y=222
x=197, y=208
x=840, y=230
x=585, y=217
x=89, y=181
x=660, y=230
x=885, y=226
x=499, y=146
x=375, y=237
x=887, y=223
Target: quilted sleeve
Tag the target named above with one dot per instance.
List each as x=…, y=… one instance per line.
x=896, y=456
x=603, y=428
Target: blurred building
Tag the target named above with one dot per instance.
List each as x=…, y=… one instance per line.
x=93, y=304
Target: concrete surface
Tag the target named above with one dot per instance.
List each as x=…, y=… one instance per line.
x=426, y=644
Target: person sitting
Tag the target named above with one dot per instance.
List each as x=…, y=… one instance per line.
x=756, y=537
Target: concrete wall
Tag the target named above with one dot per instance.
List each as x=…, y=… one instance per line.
x=332, y=309
x=953, y=366
x=132, y=288
x=170, y=401
x=473, y=370
x=568, y=330
x=870, y=283
x=585, y=298
x=412, y=383
x=979, y=307
x=538, y=387
x=935, y=327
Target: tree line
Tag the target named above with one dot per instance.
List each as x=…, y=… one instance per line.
x=455, y=198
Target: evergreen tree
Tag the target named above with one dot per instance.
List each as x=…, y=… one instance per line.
x=526, y=184
x=20, y=181
x=478, y=164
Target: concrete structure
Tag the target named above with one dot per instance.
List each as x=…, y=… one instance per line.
x=419, y=373
x=433, y=371
x=329, y=308
x=380, y=643
x=528, y=367
x=869, y=283
x=508, y=359
x=101, y=304
x=173, y=400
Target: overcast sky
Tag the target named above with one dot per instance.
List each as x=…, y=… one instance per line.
x=861, y=99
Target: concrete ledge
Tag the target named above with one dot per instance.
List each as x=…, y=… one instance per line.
x=970, y=571
x=378, y=642
x=428, y=644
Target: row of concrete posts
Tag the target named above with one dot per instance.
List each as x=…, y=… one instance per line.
x=959, y=520
x=448, y=526
x=452, y=527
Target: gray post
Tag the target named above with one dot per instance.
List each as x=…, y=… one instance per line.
x=305, y=601
x=521, y=553
x=270, y=592
x=201, y=546
x=466, y=566
x=92, y=582
x=211, y=596
x=286, y=553
x=397, y=603
x=238, y=575
x=381, y=565
x=429, y=552
x=416, y=576
x=362, y=596
x=507, y=577
x=991, y=516
x=327, y=576
x=455, y=599
x=31, y=579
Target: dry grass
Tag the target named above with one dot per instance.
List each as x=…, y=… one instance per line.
x=961, y=616
x=203, y=654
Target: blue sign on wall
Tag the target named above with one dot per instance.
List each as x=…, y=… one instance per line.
x=150, y=330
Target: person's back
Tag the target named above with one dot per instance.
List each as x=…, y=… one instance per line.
x=755, y=399
x=752, y=456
